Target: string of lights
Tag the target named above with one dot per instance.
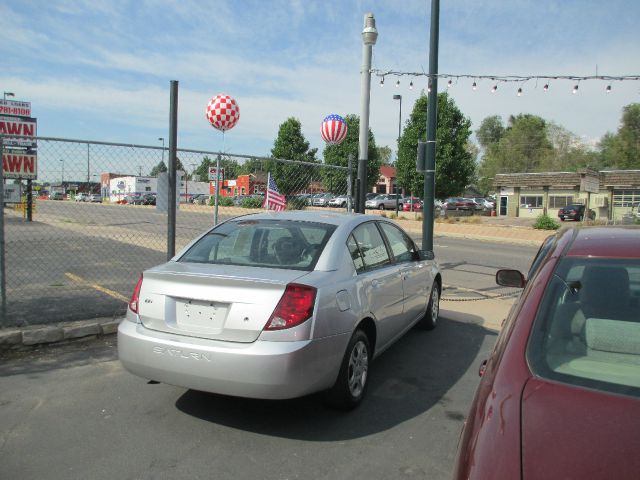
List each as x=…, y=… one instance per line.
x=497, y=79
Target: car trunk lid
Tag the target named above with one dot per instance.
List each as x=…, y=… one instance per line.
x=218, y=302
x=573, y=432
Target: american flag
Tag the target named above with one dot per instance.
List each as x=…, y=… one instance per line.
x=274, y=200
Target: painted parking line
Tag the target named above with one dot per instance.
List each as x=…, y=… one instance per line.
x=106, y=291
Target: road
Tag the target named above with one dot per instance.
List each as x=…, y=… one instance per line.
x=81, y=260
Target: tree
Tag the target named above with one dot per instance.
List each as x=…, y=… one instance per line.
x=159, y=168
x=490, y=131
x=339, y=155
x=162, y=167
x=622, y=150
x=454, y=164
x=290, y=144
x=384, y=154
x=523, y=147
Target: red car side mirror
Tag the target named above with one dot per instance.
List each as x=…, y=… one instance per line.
x=510, y=278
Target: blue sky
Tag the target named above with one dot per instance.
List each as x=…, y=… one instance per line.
x=100, y=70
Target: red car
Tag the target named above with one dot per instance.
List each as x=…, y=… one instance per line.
x=413, y=204
x=559, y=395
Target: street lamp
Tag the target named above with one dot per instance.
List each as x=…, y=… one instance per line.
x=8, y=94
x=62, y=177
x=369, y=37
x=161, y=139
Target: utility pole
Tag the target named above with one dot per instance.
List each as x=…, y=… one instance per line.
x=432, y=117
x=369, y=37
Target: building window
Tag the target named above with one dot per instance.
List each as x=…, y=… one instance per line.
x=531, y=201
x=242, y=191
x=626, y=198
x=560, y=201
x=147, y=189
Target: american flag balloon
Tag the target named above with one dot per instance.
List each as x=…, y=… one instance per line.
x=223, y=112
x=333, y=129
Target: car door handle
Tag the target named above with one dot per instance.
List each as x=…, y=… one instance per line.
x=377, y=283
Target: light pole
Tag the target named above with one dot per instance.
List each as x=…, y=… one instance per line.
x=161, y=139
x=398, y=97
x=369, y=37
x=62, y=177
x=8, y=94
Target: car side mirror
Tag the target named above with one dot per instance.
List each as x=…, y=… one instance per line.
x=510, y=278
x=426, y=255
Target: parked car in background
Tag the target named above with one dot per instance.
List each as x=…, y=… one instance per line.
x=412, y=204
x=81, y=197
x=574, y=212
x=385, y=201
x=483, y=204
x=132, y=200
x=340, y=201
x=95, y=198
x=277, y=306
x=371, y=195
x=149, y=199
x=559, y=395
x=459, y=203
x=322, y=200
x=200, y=199
x=56, y=196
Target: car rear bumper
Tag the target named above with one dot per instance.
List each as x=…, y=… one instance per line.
x=262, y=369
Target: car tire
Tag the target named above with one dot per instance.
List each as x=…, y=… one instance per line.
x=562, y=219
x=430, y=319
x=381, y=207
x=351, y=384
x=580, y=217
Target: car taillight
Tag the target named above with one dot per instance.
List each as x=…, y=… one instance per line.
x=295, y=306
x=135, y=297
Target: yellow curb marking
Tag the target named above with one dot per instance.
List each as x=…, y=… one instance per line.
x=95, y=286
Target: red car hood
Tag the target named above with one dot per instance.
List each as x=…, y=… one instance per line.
x=576, y=433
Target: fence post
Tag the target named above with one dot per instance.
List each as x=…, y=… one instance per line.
x=171, y=171
x=3, y=283
x=349, y=179
x=215, y=208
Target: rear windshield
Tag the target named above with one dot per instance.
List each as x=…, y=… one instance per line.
x=587, y=331
x=262, y=243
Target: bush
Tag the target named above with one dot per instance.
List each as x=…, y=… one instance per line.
x=225, y=202
x=545, y=222
x=251, y=202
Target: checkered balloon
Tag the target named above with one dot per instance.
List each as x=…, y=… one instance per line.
x=223, y=112
x=333, y=129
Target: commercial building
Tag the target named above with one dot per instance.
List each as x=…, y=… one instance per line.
x=609, y=193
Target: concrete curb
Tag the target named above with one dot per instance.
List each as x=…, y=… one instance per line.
x=27, y=337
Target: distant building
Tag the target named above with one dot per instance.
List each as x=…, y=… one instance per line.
x=119, y=186
x=609, y=193
x=387, y=181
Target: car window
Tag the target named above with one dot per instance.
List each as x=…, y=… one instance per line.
x=356, y=256
x=262, y=243
x=587, y=331
x=372, y=247
x=402, y=247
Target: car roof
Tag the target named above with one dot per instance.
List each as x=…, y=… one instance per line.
x=604, y=242
x=332, y=218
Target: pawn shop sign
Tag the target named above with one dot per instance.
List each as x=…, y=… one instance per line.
x=212, y=173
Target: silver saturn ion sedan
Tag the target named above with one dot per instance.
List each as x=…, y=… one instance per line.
x=280, y=305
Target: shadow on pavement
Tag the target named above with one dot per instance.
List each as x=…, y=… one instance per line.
x=406, y=381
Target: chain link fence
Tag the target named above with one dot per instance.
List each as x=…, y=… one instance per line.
x=99, y=218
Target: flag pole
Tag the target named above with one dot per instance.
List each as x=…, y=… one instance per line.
x=266, y=198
